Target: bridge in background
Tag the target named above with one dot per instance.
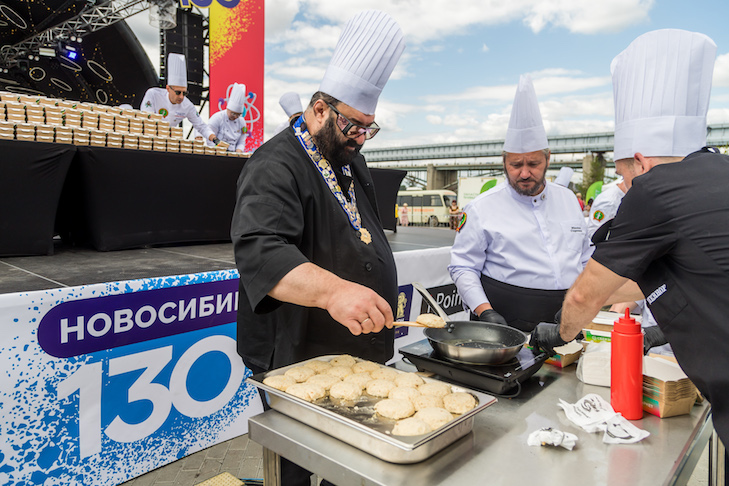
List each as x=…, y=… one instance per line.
x=444, y=162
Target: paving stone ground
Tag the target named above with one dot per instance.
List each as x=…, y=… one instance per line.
x=240, y=457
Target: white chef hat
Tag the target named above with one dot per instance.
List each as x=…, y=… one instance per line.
x=291, y=103
x=526, y=131
x=237, y=98
x=564, y=176
x=176, y=70
x=366, y=53
x=661, y=89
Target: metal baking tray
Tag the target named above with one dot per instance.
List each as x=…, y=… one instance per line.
x=358, y=425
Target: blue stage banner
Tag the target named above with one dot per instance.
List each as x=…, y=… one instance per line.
x=102, y=383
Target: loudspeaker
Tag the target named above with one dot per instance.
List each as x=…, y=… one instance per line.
x=188, y=39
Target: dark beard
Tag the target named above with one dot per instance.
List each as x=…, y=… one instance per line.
x=329, y=145
x=529, y=192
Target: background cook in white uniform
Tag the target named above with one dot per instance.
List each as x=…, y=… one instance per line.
x=290, y=102
x=167, y=102
x=605, y=206
x=228, y=124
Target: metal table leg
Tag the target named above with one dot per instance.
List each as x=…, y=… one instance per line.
x=271, y=468
x=717, y=461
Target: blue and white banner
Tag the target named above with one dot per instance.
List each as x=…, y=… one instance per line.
x=105, y=382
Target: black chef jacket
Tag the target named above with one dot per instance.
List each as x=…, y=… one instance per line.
x=671, y=236
x=285, y=216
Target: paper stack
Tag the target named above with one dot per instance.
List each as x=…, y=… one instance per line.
x=667, y=391
x=602, y=325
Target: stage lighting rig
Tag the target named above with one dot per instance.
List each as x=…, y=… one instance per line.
x=70, y=50
x=163, y=14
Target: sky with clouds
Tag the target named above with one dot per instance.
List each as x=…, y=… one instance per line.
x=457, y=77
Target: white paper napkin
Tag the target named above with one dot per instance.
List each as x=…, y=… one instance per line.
x=550, y=436
x=592, y=413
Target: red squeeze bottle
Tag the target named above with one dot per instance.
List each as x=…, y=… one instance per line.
x=626, y=367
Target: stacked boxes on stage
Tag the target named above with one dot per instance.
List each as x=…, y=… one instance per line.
x=40, y=119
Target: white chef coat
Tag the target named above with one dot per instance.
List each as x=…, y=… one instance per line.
x=230, y=132
x=604, y=207
x=537, y=242
x=156, y=100
x=281, y=127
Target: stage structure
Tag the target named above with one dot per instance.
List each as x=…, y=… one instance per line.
x=74, y=50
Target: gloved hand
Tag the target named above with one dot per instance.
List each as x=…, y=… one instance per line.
x=558, y=316
x=653, y=336
x=546, y=337
x=490, y=315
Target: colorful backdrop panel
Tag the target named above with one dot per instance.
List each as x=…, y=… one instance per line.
x=236, y=56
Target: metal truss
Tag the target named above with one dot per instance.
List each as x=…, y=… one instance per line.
x=92, y=18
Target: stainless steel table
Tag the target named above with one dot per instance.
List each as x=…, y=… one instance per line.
x=496, y=452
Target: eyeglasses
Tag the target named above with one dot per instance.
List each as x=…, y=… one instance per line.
x=179, y=92
x=352, y=130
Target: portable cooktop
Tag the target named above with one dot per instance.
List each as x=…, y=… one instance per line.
x=503, y=379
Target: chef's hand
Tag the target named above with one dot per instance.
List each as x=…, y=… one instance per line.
x=546, y=337
x=490, y=315
x=558, y=316
x=653, y=336
x=359, y=308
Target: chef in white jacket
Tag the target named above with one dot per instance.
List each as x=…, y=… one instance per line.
x=229, y=124
x=290, y=102
x=606, y=204
x=521, y=244
x=171, y=102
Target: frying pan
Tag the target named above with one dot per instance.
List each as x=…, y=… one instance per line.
x=472, y=342
x=475, y=342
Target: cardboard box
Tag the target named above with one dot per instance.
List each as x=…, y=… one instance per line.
x=69, y=104
x=49, y=102
x=667, y=391
x=594, y=336
x=64, y=132
x=163, y=130
x=566, y=355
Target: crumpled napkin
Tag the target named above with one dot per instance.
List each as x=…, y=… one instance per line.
x=593, y=414
x=550, y=436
